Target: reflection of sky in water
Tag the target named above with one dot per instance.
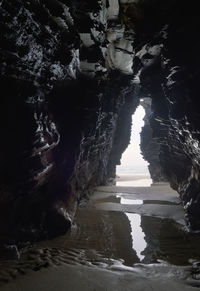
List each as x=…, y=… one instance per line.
x=138, y=237
x=138, y=242
x=130, y=201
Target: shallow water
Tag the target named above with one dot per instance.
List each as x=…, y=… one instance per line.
x=106, y=238
x=128, y=237
x=131, y=238
x=126, y=199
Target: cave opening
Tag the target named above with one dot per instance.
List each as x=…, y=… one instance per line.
x=72, y=73
x=134, y=171
x=133, y=164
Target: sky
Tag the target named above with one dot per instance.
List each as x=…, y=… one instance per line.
x=132, y=161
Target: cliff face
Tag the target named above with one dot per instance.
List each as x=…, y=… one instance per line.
x=150, y=146
x=71, y=76
x=60, y=112
x=169, y=75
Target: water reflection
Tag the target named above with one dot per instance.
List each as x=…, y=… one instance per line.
x=105, y=238
x=138, y=237
x=130, y=201
x=107, y=234
x=128, y=237
x=119, y=198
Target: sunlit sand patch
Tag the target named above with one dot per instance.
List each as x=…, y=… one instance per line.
x=139, y=183
x=134, y=181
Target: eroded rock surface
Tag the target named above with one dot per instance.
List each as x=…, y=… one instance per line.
x=150, y=146
x=71, y=76
x=170, y=79
x=60, y=111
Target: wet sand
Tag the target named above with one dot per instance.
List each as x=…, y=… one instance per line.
x=136, y=180
x=85, y=278
x=160, y=192
x=125, y=238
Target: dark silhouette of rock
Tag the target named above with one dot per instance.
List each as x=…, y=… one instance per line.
x=71, y=75
x=150, y=147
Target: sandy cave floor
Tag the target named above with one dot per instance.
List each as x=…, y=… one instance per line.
x=125, y=238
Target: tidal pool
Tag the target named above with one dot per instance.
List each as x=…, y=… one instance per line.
x=112, y=238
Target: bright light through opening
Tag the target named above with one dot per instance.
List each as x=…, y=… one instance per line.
x=138, y=237
x=132, y=162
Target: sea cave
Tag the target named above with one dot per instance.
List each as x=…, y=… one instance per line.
x=72, y=75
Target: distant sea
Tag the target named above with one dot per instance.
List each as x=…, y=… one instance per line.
x=130, y=170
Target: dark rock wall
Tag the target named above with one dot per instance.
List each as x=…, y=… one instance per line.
x=60, y=113
x=37, y=52
x=169, y=75
x=70, y=78
x=150, y=146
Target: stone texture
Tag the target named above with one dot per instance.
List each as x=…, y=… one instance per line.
x=71, y=74
x=60, y=112
x=170, y=79
x=150, y=146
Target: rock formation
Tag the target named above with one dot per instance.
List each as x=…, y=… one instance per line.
x=150, y=146
x=72, y=73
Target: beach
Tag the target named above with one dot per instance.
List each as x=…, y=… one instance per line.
x=128, y=236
